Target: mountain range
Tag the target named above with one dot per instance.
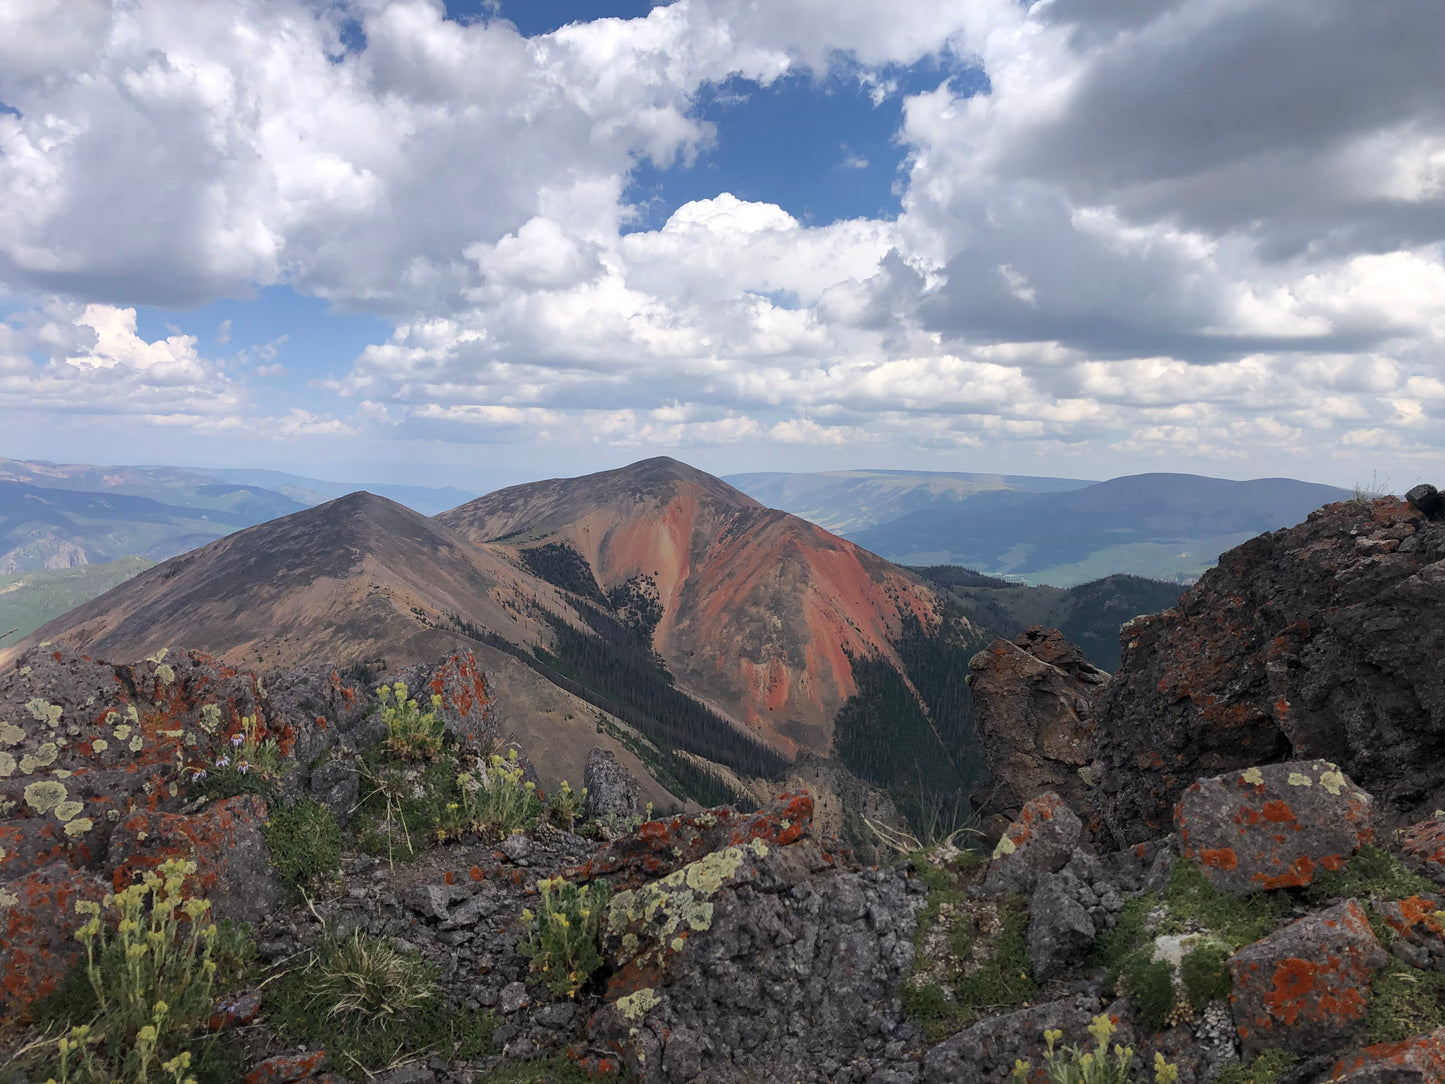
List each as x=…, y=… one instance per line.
x=1062, y=532
x=717, y=639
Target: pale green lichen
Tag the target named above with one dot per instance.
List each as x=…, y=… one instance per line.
x=164, y=674
x=1296, y=779
x=7, y=765
x=137, y=743
x=1253, y=775
x=158, y=656
x=1005, y=846
x=79, y=827
x=100, y=745
x=67, y=811
x=210, y=718
x=1333, y=780
x=122, y=732
x=109, y=718
x=24, y=670
x=10, y=734
x=43, y=711
x=635, y=1006
x=41, y=758
x=666, y=909
x=8, y=900
x=45, y=795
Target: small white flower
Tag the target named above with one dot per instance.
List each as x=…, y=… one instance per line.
x=223, y=761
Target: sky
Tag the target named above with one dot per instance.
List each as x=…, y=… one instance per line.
x=479, y=243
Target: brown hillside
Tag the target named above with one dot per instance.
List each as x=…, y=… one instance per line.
x=759, y=609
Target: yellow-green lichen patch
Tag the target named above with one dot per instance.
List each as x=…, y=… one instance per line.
x=7, y=764
x=164, y=674
x=24, y=670
x=10, y=734
x=210, y=718
x=1253, y=775
x=100, y=745
x=7, y=900
x=41, y=758
x=43, y=711
x=1005, y=846
x=1333, y=780
x=1298, y=779
x=158, y=656
x=122, y=732
x=137, y=743
x=637, y=1005
x=45, y=795
x=66, y=811
x=79, y=827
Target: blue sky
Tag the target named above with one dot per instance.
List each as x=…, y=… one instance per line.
x=475, y=243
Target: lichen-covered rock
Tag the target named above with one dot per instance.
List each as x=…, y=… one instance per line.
x=1306, y=987
x=1416, y=921
x=987, y=1050
x=1320, y=641
x=1040, y=841
x=233, y=865
x=657, y=848
x=287, y=1068
x=612, y=793
x=1033, y=710
x=1420, y=1060
x=466, y=710
x=760, y=962
x=1273, y=825
x=38, y=922
x=1422, y=846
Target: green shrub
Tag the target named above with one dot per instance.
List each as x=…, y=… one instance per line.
x=1003, y=976
x=411, y=734
x=305, y=844
x=1100, y=1065
x=368, y=1003
x=562, y=938
x=1204, y=974
x=1150, y=983
x=148, y=983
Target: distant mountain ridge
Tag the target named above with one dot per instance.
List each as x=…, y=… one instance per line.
x=851, y=500
x=1165, y=526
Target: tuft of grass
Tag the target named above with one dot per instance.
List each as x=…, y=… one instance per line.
x=1372, y=873
x=1404, y=1002
x=1265, y=1068
x=1003, y=977
x=305, y=844
x=557, y=1069
x=371, y=1005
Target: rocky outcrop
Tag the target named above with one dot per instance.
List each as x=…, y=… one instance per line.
x=1040, y=841
x=1319, y=641
x=611, y=789
x=1033, y=709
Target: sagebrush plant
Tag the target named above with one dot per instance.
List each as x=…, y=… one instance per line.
x=411, y=733
x=566, y=806
x=1096, y=1065
x=151, y=978
x=493, y=798
x=563, y=934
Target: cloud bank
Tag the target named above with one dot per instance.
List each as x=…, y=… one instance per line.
x=1200, y=230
